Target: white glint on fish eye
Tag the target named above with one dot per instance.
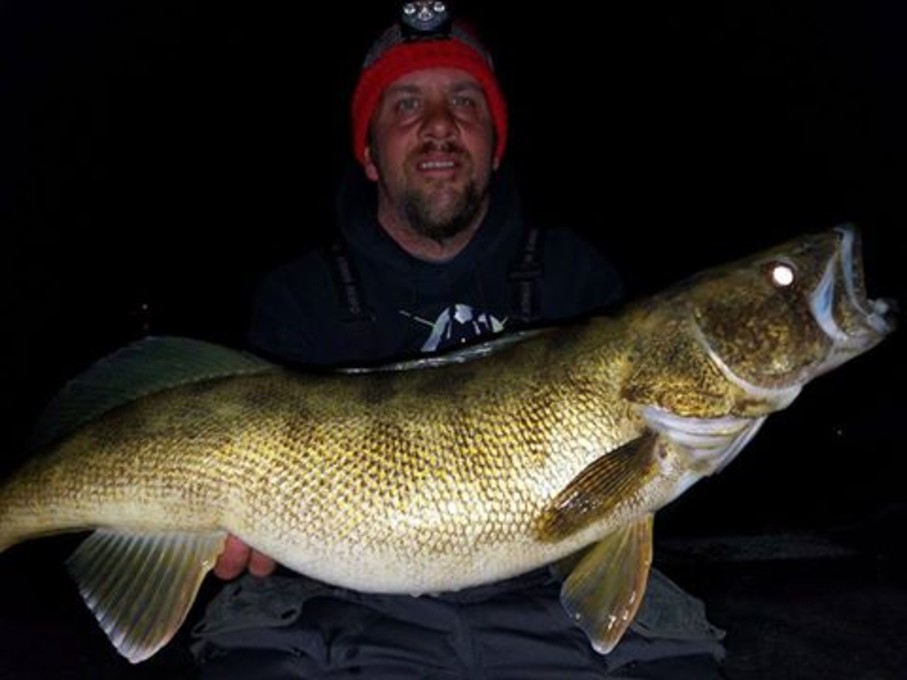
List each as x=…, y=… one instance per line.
x=782, y=274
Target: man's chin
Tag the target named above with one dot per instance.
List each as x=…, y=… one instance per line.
x=440, y=222
x=441, y=212
x=437, y=188
x=440, y=203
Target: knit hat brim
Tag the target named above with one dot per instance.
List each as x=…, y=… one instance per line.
x=408, y=57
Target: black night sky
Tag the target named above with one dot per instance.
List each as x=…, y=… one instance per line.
x=157, y=157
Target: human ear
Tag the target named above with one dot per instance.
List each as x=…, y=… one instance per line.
x=371, y=170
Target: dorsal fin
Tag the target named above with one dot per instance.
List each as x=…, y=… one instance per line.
x=138, y=369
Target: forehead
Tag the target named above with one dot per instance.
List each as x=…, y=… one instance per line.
x=435, y=78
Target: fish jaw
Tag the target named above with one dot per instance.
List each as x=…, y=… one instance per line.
x=841, y=307
x=773, y=322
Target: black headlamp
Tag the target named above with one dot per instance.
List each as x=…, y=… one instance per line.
x=424, y=19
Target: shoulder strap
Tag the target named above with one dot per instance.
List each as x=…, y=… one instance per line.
x=525, y=279
x=349, y=290
x=527, y=275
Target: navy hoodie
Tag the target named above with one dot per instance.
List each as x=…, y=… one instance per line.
x=402, y=305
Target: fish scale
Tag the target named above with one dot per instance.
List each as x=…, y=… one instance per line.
x=553, y=446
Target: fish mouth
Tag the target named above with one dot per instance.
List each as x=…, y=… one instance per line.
x=841, y=305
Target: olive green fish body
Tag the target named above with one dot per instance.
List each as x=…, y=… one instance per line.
x=388, y=501
x=555, y=446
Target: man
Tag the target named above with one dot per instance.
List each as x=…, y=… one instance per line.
x=433, y=252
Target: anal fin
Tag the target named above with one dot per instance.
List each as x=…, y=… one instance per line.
x=140, y=587
x=606, y=585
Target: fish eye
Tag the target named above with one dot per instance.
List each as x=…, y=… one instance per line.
x=783, y=274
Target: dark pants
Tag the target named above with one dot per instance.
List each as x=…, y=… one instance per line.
x=288, y=627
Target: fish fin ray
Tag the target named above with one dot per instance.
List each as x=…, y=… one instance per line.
x=599, y=487
x=565, y=566
x=140, y=587
x=604, y=590
x=715, y=441
x=148, y=365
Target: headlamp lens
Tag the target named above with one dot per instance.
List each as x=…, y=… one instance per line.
x=420, y=19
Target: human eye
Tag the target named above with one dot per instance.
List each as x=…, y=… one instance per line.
x=406, y=105
x=468, y=101
x=465, y=101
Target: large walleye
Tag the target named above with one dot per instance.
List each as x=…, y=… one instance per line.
x=551, y=446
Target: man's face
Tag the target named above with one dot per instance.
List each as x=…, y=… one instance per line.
x=430, y=150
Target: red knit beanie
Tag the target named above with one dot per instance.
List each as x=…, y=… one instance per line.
x=391, y=57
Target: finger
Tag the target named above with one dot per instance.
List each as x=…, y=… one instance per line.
x=260, y=564
x=233, y=560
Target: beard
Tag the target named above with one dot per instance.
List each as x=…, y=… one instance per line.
x=435, y=210
x=440, y=214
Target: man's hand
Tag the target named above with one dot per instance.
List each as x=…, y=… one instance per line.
x=237, y=557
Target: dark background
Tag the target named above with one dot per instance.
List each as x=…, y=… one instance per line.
x=157, y=157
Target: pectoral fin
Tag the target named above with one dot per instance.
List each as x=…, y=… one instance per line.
x=594, y=492
x=140, y=587
x=605, y=588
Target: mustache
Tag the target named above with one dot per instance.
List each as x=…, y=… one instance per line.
x=441, y=146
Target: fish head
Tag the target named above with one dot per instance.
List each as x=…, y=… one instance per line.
x=774, y=321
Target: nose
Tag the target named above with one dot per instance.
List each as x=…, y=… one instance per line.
x=439, y=122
